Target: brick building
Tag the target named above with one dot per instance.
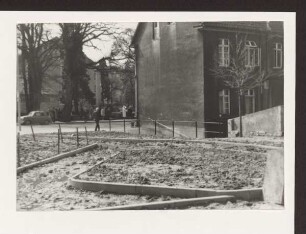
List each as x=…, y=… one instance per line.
x=174, y=62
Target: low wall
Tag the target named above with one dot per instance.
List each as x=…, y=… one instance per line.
x=268, y=122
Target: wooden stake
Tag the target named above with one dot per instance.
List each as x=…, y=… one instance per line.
x=77, y=137
x=173, y=129
x=59, y=125
x=86, y=135
x=155, y=127
x=58, y=141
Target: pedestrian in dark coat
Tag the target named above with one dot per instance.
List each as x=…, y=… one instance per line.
x=97, y=118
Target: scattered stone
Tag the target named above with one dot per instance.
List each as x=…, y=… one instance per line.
x=50, y=171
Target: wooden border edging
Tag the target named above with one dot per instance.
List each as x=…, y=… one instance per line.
x=57, y=157
x=174, y=204
x=180, y=140
x=155, y=190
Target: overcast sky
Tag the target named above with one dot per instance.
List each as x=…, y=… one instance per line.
x=104, y=47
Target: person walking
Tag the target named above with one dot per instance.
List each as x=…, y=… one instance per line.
x=124, y=111
x=103, y=113
x=97, y=118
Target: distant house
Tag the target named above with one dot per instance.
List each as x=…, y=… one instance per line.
x=174, y=62
x=52, y=86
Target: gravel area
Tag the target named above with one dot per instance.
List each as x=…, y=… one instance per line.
x=46, y=187
x=211, y=165
x=43, y=147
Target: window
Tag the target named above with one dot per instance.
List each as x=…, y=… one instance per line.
x=155, y=30
x=38, y=114
x=224, y=50
x=249, y=98
x=253, y=54
x=224, y=101
x=278, y=55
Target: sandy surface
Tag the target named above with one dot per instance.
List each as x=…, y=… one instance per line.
x=174, y=164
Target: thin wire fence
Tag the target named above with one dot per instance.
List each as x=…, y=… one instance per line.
x=63, y=140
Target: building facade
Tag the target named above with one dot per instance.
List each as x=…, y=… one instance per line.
x=175, y=62
x=52, y=86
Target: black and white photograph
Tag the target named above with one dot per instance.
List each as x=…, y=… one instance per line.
x=159, y=115
x=178, y=116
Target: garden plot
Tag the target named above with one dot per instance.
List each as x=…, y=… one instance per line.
x=44, y=147
x=189, y=167
x=46, y=187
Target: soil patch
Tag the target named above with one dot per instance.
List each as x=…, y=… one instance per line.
x=183, y=167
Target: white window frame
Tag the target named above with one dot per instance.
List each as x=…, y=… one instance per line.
x=253, y=54
x=250, y=93
x=155, y=26
x=224, y=52
x=225, y=105
x=278, y=52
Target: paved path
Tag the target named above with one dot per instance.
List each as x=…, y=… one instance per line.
x=71, y=127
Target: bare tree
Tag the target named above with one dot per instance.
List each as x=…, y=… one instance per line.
x=123, y=57
x=38, y=53
x=74, y=37
x=240, y=71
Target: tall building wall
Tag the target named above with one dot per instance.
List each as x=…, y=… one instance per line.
x=170, y=72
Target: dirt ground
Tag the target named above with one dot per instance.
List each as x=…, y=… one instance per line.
x=181, y=164
x=188, y=166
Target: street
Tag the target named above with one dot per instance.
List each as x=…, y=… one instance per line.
x=116, y=125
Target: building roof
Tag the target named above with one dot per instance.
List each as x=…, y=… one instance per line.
x=261, y=26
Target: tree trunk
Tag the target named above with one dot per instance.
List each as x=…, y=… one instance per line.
x=25, y=80
x=240, y=114
x=35, y=82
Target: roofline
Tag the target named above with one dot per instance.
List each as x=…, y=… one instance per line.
x=203, y=27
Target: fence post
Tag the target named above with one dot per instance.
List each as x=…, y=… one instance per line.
x=124, y=125
x=86, y=135
x=196, y=129
x=155, y=127
x=59, y=126
x=172, y=128
x=18, y=149
x=77, y=137
x=58, y=141
x=32, y=131
x=110, y=125
x=138, y=126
